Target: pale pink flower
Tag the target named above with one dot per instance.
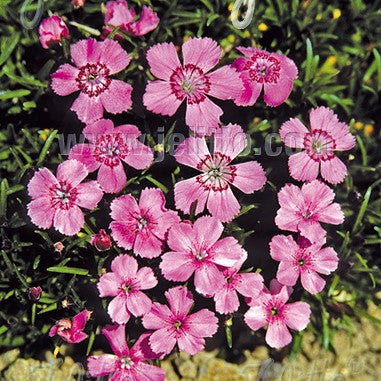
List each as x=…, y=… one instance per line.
x=174, y=324
x=246, y=284
x=78, y=3
x=109, y=147
x=191, y=82
x=197, y=249
x=259, y=69
x=71, y=330
x=95, y=61
x=304, y=261
x=212, y=187
x=142, y=227
x=126, y=364
x=271, y=308
x=119, y=16
x=319, y=144
x=101, y=241
x=125, y=282
x=302, y=210
x=56, y=200
x=52, y=30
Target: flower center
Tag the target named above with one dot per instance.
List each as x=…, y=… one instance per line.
x=64, y=325
x=263, y=68
x=301, y=262
x=126, y=362
x=274, y=311
x=109, y=148
x=190, y=83
x=200, y=255
x=63, y=195
x=319, y=145
x=93, y=79
x=127, y=288
x=142, y=223
x=177, y=324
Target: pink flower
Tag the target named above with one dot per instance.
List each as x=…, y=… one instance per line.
x=125, y=282
x=95, y=61
x=71, y=331
x=326, y=136
x=212, y=187
x=52, y=30
x=56, y=200
x=270, y=309
x=304, y=261
x=191, y=82
x=34, y=293
x=119, y=16
x=196, y=249
x=127, y=364
x=108, y=148
x=101, y=241
x=247, y=284
x=259, y=69
x=142, y=227
x=302, y=210
x=78, y=3
x=174, y=324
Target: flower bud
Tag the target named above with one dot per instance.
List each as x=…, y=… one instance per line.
x=34, y=293
x=52, y=30
x=101, y=241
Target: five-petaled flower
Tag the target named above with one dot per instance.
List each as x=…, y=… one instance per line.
x=57, y=200
x=125, y=283
x=302, y=209
x=142, y=227
x=119, y=16
x=305, y=261
x=271, y=308
x=212, y=187
x=191, y=82
x=71, y=330
x=259, y=69
x=52, y=30
x=326, y=136
x=175, y=325
x=197, y=249
x=108, y=148
x=95, y=61
x=125, y=364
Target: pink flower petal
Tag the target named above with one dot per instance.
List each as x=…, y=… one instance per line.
x=71, y=172
x=116, y=336
x=100, y=127
x=277, y=335
x=85, y=154
x=79, y=321
x=208, y=279
x=129, y=131
x=124, y=208
x=160, y=99
x=252, y=89
x=226, y=300
x=223, y=204
x=124, y=233
x=283, y=248
x=297, y=315
x=225, y=83
x=226, y=252
x=117, y=309
x=103, y=365
x=202, y=323
x=41, y=213
x=162, y=340
x=86, y=51
x=291, y=198
x=117, y=98
x=163, y=60
x=40, y=183
x=256, y=317
x=333, y=170
x=113, y=56
x=138, y=303
x=180, y=301
x=187, y=192
x=167, y=220
x=287, y=273
x=177, y=266
x=292, y=133
x=88, y=109
x=201, y=52
x=145, y=279
x=276, y=94
x=147, y=22
x=230, y=140
x=287, y=220
x=325, y=261
x=208, y=229
x=190, y=344
x=311, y=281
x=125, y=266
x=302, y=167
x=69, y=221
x=112, y=179
x=311, y=230
x=318, y=195
x=89, y=195
x=249, y=284
x=158, y=317
x=147, y=245
x=64, y=80
x=181, y=237
x=139, y=156
x=249, y=177
x=323, y=118
x=146, y=372
x=192, y=151
x=109, y=284
x=141, y=350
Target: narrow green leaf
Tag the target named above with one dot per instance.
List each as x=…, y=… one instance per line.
x=68, y=270
x=46, y=147
x=157, y=183
x=364, y=155
x=8, y=44
x=362, y=210
x=50, y=308
x=3, y=198
x=377, y=59
x=90, y=343
x=33, y=319
x=13, y=94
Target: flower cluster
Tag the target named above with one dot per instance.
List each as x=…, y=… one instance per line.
x=198, y=254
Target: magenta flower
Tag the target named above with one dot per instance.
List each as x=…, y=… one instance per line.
x=95, y=61
x=142, y=227
x=247, y=284
x=212, y=187
x=271, y=308
x=304, y=261
x=259, y=69
x=196, y=249
x=52, y=30
x=57, y=200
x=71, y=331
x=125, y=282
x=126, y=364
x=326, y=136
x=101, y=241
x=174, y=324
x=119, y=16
x=108, y=148
x=302, y=210
x=191, y=82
